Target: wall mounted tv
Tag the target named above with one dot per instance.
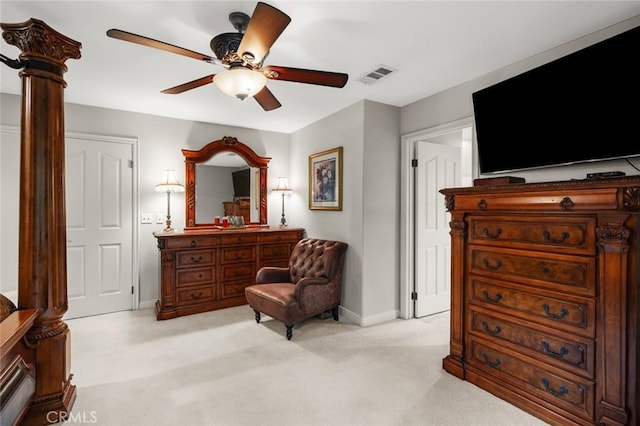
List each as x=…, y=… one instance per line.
x=241, y=183
x=579, y=108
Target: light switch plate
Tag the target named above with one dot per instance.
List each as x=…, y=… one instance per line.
x=159, y=218
x=146, y=218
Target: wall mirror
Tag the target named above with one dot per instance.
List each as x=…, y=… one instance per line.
x=225, y=177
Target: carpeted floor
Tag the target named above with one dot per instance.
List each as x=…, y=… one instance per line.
x=222, y=369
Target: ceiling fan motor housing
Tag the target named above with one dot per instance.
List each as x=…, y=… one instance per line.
x=226, y=43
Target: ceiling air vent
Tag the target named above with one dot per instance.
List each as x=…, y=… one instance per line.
x=376, y=74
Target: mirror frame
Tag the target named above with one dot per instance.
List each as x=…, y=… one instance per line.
x=226, y=144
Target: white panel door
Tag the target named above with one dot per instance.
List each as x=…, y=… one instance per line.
x=438, y=167
x=99, y=200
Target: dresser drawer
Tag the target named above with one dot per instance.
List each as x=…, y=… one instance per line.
x=235, y=288
x=235, y=254
x=276, y=237
x=190, y=242
x=573, y=314
x=566, y=391
x=239, y=238
x=193, y=276
x=236, y=271
x=186, y=259
x=275, y=251
x=564, y=273
x=193, y=295
x=568, y=352
x=570, y=235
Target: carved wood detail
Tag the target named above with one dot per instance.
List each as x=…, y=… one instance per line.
x=42, y=273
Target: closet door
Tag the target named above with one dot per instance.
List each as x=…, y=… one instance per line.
x=100, y=226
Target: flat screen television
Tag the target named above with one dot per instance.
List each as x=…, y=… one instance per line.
x=580, y=108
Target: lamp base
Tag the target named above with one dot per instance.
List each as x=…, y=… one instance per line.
x=168, y=227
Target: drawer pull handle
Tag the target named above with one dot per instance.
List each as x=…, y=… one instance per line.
x=496, y=299
x=193, y=243
x=490, y=267
x=563, y=351
x=563, y=237
x=239, y=256
x=562, y=391
x=493, y=332
x=563, y=312
x=196, y=296
x=196, y=259
x=495, y=235
x=493, y=364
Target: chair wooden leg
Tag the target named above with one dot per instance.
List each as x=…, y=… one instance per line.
x=289, y=331
x=257, y=316
x=334, y=311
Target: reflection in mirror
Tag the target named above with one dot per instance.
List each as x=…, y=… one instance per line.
x=225, y=187
x=231, y=181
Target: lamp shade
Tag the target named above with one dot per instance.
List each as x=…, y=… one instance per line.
x=283, y=185
x=240, y=82
x=169, y=182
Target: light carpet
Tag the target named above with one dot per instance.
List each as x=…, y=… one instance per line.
x=221, y=368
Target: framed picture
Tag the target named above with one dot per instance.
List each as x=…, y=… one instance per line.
x=325, y=180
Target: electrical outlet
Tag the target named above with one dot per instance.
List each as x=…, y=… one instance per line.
x=160, y=218
x=146, y=218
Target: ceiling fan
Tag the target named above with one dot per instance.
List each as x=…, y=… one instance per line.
x=242, y=54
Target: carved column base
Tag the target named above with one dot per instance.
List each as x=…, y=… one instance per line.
x=55, y=394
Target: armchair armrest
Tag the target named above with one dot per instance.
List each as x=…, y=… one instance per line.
x=272, y=274
x=304, y=289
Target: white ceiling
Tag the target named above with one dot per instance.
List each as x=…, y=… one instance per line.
x=435, y=45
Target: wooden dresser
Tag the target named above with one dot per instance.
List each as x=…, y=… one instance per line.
x=544, y=309
x=205, y=270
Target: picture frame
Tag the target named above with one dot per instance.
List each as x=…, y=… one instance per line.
x=325, y=180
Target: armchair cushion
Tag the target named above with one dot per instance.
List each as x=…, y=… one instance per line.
x=312, y=283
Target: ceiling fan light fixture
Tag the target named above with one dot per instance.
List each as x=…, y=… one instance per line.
x=240, y=82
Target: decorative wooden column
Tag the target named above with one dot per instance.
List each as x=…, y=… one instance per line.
x=42, y=271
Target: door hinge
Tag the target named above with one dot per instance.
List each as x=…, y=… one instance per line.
x=414, y=295
x=414, y=162
x=132, y=292
x=131, y=164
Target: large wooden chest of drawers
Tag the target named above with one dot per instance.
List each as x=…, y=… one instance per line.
x=544, y=309
x=205, y=270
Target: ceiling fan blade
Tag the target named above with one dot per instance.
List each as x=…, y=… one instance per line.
x=190, y=85
x=149, y=42
x=266, y=99
x=299, y=75
x=265, y=26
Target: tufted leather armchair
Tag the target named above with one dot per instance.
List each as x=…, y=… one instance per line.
x=311, y=285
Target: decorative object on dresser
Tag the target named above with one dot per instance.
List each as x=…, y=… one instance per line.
x=195, y=160
x=283, y=188
x=208, y=269
x=310, y=285
x=545, y=299
x=169, y=184
x=325, y=180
